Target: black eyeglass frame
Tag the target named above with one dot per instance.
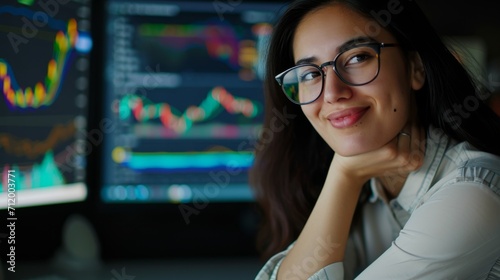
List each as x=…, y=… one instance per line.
x=374, y=45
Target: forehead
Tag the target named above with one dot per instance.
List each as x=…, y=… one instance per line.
x=321, y=32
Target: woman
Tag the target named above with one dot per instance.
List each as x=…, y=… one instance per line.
x=386, y=162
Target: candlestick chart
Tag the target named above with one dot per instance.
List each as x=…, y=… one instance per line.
x=43, y=86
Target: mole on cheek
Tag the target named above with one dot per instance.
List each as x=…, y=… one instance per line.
x=395, y=110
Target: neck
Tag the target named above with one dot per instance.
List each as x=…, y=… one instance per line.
x=393, y=184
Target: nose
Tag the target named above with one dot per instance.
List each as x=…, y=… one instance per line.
x=334, y=89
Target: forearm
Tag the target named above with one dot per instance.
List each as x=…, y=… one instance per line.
x=324, y=237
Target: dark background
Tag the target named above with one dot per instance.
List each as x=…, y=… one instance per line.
x=231, y=249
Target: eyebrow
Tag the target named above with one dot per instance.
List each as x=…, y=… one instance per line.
x=345, y=46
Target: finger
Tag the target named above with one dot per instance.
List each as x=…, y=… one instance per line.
x=416, y=137
x=421, y=146
x=423, y=143
x=417, y=142
x=404, y=142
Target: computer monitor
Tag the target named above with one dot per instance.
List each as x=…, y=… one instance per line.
x=183, y=92
x=44, y=78
x=44, y=85
x=183, y=102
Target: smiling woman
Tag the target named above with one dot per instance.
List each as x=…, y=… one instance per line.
x=371, y=179
x=356, y=111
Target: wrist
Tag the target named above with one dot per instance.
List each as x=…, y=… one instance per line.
x=341, y=176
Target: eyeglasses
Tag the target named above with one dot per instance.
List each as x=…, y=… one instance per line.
x=358, y=66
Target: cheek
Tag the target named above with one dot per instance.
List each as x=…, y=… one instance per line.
x=394, y=108
x=395, y=103
x=401, y=97
x=392, y=96
x=393, y=90
x=311, y=112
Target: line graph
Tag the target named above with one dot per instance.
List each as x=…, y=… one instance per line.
x=34, y=148
x=46, y=90
x=52, y=22
x=217, y=100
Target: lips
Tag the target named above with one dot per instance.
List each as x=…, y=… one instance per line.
x=347, y=118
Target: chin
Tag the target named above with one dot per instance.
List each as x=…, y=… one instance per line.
x=353, y=149
x=349, y=153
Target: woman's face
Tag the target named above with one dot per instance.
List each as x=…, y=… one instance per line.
x=355, y=119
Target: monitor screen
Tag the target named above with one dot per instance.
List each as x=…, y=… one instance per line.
x=183, y=93
x=44, y=77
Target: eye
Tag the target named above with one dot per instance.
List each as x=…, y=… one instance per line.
x=309, y=74
x=357, y=57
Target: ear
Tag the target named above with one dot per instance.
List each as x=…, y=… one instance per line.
x=417, y=72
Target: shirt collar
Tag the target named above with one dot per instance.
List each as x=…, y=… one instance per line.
x=419, y=181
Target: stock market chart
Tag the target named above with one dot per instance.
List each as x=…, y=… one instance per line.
x=44, y=69
x=184, y=88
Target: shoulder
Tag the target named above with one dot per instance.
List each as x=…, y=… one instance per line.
x=459, y=218
x=459, y=200
x=464, y=164
x=451, y=162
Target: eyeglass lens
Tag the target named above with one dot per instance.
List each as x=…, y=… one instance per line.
x=357, y=66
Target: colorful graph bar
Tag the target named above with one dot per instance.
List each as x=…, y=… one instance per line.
x=217, y=99
x=173, y=162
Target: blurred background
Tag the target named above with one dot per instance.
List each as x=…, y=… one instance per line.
x=127, y=129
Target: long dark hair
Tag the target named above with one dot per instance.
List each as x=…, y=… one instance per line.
x=292, y=160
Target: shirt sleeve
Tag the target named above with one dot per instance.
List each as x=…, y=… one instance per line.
x=270, y=270
x=455, y=234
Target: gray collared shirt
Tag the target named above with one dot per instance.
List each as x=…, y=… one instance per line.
x=445, y=223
